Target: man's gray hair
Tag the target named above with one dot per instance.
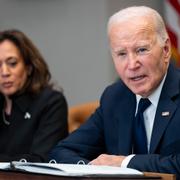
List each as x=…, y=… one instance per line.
x=141, y=11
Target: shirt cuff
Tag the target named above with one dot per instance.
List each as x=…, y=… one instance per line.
x=125, y=162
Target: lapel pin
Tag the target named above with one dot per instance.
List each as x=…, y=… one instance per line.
x=166, y=113
x=27, y=115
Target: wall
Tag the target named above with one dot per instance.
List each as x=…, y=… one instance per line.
x=71, y=34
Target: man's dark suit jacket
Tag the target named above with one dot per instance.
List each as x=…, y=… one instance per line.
x=109, y=130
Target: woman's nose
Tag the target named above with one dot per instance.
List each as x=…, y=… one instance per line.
x=4, y=70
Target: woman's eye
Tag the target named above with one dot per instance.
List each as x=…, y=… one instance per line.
x=12, y=63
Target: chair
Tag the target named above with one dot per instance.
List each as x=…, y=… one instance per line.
x=78, y=114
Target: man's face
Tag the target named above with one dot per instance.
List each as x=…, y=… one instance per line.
x=13, y=72
x=139, y=59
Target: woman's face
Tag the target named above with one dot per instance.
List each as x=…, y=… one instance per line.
x=13, y=71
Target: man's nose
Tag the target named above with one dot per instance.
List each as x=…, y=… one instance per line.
x=133, y=61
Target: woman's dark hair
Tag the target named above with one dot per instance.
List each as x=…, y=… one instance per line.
x=40, y=74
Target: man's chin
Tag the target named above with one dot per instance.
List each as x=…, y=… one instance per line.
x=141, y=93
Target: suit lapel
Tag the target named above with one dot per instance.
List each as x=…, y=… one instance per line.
x=125, y=118
x=165, y=111
x=166, y=107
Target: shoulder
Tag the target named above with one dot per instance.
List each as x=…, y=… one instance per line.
x=49, y=92
x=116, y=96
x=173, y=70
x=172, y=81
x=45, y=97
x=117, y=90
x=50, y=95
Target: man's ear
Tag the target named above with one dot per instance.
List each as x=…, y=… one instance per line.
x=167, y=50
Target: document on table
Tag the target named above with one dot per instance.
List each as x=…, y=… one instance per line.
x=68, y=169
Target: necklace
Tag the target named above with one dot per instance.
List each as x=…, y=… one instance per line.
x=4, y=118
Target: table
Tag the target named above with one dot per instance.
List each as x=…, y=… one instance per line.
x=10, y=175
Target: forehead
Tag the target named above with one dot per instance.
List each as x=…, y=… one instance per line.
x=8, y=46
x=132, y=30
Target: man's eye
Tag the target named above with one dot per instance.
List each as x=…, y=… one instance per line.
x=141, y=50
x=121, y=54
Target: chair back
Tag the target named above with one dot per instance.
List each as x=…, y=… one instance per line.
x=78, y=114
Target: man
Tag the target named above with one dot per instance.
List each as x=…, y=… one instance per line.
x=141, y=52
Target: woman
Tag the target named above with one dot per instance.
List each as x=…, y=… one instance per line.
x=33, y=116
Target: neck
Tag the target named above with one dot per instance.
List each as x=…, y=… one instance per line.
x=7, y=105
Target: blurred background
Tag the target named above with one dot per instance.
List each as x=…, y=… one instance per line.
x=71, y=35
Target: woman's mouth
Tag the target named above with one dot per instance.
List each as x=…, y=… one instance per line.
x=7, y=84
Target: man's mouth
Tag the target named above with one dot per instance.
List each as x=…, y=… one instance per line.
x=138, y=78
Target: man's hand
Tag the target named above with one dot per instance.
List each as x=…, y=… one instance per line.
x=110, y=160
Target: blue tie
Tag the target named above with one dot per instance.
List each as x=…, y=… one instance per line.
x=140, y=138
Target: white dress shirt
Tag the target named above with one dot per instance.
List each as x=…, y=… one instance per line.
x=149, y=115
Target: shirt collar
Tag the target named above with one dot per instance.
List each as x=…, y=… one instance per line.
x=154, y=97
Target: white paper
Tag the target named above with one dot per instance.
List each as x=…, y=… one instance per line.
x=73, y=169
x=4, y=165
